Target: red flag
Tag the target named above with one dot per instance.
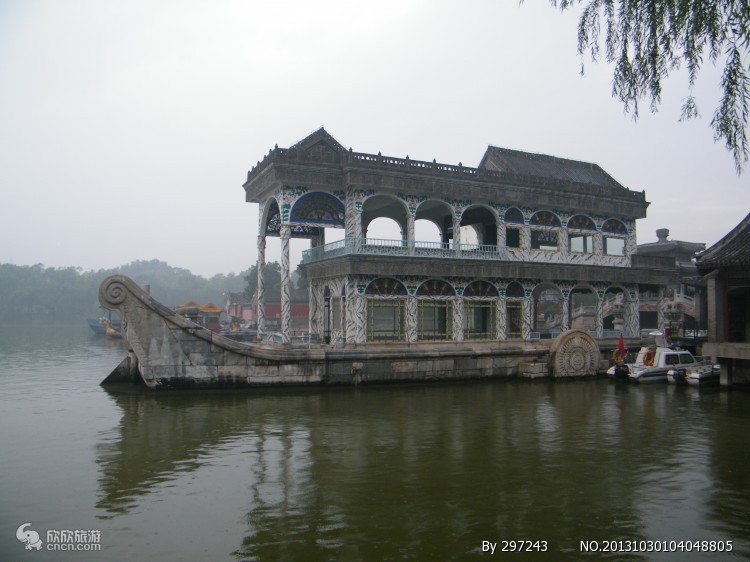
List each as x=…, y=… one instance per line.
x=621, y=347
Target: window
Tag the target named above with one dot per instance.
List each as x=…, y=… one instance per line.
x=544, y=240
x=514, y=319
x=614, y=246
x=479, y=320
x=581, y=243
x=435, y=320
x=385, y=319
x=512, y=237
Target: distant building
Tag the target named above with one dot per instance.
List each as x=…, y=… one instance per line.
x=239, y=308
x=682, y=305
x=726, y=267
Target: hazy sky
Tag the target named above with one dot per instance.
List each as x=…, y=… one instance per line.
x=127, y=127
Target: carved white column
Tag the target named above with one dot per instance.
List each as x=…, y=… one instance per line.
x=458, y=319
x=261, y=284
x=500, y=320
x=566, y=312
x=353, y=220
x=286, y=304
x=632, y=317
x=528, y=317
x=501, y=239
x=661, y=306
x=600, y=314
x=351, y=328
x=411, y=319
x=525, y=238
x=410, y=231
x=316, y=309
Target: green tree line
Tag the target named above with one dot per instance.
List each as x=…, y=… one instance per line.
x=69, y=293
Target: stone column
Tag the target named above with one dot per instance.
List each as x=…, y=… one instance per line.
x=458, y=319
x=286, y=305
x=316, y=310
x=353, y=221
x=525, y=238
x=343, y=297
x=661, y=305
x=456, y=234
x=599, y=314
x=410, y=232
x=565, y=312
x=632, y=318
x=528, y=317
x=598, y=245
x=715, y=300
x=500, y=328
x=564, y=244
x=411, y=319
x=351, y=328
x=501, y=240
x=260, y=294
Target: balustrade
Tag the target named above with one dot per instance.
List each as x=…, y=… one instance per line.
x=388, y=247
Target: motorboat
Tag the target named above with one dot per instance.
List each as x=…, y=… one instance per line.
x=702, y=373
x=653, y=363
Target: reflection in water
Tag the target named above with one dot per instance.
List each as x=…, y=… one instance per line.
x=430, y=471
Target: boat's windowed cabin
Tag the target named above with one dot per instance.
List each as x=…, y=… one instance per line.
x=686, y=358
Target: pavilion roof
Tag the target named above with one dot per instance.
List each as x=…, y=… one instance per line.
x=731, y=251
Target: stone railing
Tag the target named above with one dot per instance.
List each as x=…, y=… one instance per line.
x=406, y=248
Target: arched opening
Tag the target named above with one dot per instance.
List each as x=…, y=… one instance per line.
x=427, y=231
x=383, y=228
x=386, y=310
x=480, y=225
x=548, y=312
x=440, y=214
x=318, y=208
x=435, y=311
x=383, y=207
x=514, y=297
x=583, y=305
x=613, y=309
x=480, y=311
x=581, y=230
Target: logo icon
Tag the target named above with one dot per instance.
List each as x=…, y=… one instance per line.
x=29, y=538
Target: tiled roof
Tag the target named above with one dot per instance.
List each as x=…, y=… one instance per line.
x=731, y=251
x=541, y=165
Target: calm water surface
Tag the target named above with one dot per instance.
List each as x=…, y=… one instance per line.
x=417, y=472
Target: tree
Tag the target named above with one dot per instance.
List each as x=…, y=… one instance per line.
x=648, y=39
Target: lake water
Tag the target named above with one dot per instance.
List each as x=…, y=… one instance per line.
x=414, y=472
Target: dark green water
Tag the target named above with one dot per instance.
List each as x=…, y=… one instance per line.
x=418, y=472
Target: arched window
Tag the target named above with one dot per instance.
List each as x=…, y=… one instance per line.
x=581, y=231
x=435, y=310
x=545, y=231
x=480, y=311
x=615, y=234
x=386, y=310
x=318, y=208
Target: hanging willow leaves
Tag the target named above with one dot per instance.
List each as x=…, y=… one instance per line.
x=645, y=40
